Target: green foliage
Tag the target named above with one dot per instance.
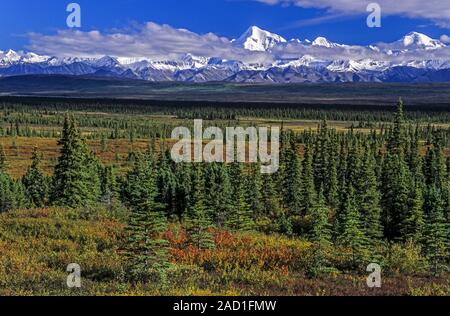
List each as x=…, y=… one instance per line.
x=146, y=248
x=388, y=204
x=75, y=182
x=436, y=231
x=109, y=187
x=352, y=232
x=240, y=216
x=2, y=159
x=197, y=222
x=368, y=197
x=36, y=183
x=308, y=193
x=320, y=234
x=218, y=193
x=413, y=224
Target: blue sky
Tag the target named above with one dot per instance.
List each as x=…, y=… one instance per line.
x=229, y=18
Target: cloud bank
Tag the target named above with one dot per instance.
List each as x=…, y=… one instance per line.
x=163, y=42
x=150, y=40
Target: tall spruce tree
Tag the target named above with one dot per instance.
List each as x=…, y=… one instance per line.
x=332, y=180
x=166, y=182
x=270, y=199
x=219, y=192
x=3, y=164
x=75, y=181
x=352, y=235
x=412, y=228
x=369, y=199
x=240, y=217
x=396, y=179
x=321, y=159
x=197, y=221
x=35, y=182
x=254, y=190
x=436, y=230
x=146, y=247
x=308, y=192
x=109, y=186
x=292, y=181
x=320, y=234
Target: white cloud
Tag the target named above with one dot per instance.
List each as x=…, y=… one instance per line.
x=150, y=40
x=437, y=11
x=163, y=42
x=445, y=39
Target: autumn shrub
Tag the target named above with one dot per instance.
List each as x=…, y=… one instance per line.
x=432, y=289
x=37, y=245
x=404, y=259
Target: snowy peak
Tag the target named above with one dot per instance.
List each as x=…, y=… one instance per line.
x=324, y=42
x=12, y=54
x=419, y=40
x=256, y=39
x=106, y=61
x=195, y=61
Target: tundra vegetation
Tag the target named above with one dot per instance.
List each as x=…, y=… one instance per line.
x=94, y=184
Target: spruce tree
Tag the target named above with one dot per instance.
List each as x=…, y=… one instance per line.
x=332, y=180
x=369, y=199
x=166, y=182
x=396, y=141
x=35, y=182
x=320, y=233
x=147, y=249
x=240, y=217
x=75, y=181
x=272, y=210
x=396, y=181
x=109, y=186
x=19, y=195
x=254, y=190
x=352, y=234
x=412, y=228
x=3, y=164
x=321, y=159
x=183, y=176
x=218, y=192
x=308, y=192
x=292, y=181
x=7, y=200
x=197, y=222
x=436, y=231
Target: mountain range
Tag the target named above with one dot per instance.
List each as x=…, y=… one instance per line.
x=266, y=58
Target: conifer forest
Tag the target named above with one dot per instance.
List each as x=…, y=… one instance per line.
x=93, y=183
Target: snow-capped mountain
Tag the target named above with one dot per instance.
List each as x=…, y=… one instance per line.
x=256, y=39
x=324, y=42
x=418, y=40
x=259, y=56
